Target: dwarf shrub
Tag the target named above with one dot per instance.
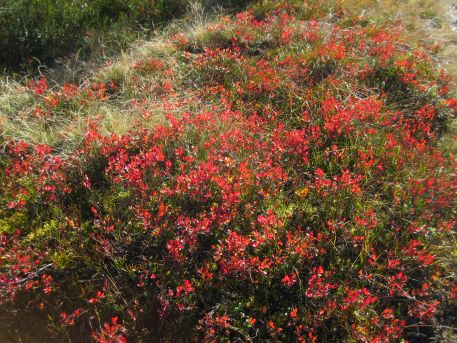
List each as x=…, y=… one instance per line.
x=294, y=191
x=39, y=31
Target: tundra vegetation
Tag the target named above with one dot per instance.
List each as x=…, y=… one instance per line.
x=277, y=173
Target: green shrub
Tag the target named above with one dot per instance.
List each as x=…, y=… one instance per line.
x=38, y=31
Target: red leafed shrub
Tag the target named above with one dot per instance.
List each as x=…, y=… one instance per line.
x=308, y=203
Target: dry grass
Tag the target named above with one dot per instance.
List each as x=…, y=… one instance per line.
x=424, y=22
x=115, y=115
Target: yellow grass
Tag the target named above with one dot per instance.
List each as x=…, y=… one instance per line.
x=423, y=22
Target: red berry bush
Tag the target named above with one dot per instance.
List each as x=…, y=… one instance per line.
x=295, y=191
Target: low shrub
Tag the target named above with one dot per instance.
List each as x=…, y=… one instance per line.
x=305, y=200
x=37, y=32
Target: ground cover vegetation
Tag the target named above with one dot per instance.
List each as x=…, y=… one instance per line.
x=274, y=175
x=36, y=32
